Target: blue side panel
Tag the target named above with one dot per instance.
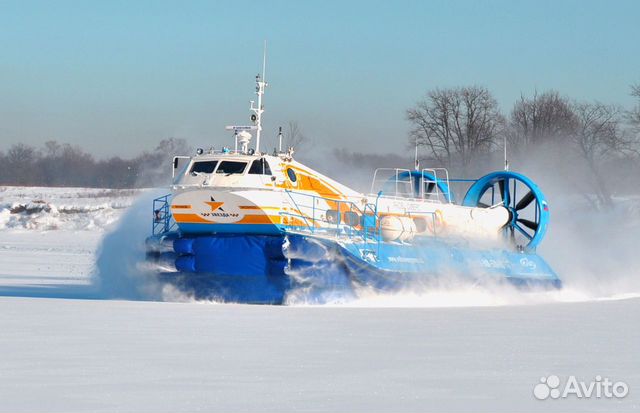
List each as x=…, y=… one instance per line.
x=394, y=265
x=310, y=249
x=277, y=267
x=319, y=271
x=266, y=269
x=246, y=268
x=222, y=255
x=186, y=263
x=208, y=229
x=183, y=245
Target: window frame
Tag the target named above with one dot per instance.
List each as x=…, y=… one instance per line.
x=266, y=169
x=231, y=173
x=293, y=179
x=215, y=166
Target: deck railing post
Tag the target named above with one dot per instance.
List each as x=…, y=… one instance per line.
x=338, y=220
x=313, y=215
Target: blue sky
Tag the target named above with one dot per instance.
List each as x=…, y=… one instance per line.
x=117, y=76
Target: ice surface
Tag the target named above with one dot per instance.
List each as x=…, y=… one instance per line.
x=457, y=348
x=75, y=355
x=62, y=208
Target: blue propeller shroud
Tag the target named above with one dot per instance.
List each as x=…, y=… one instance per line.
x=501, y=188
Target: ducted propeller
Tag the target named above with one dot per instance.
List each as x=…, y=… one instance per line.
x=528, y=213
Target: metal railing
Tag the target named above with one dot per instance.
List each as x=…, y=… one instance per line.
x=395, y=182
x=316, y=215
x=434, y=184
x=162, y=219
x=331, y=217
x=398, y=183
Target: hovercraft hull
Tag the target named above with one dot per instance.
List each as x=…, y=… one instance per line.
x=266, y=268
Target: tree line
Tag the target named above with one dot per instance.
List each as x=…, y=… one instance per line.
x=63, y=164
x=460, y=128
x=463, y=127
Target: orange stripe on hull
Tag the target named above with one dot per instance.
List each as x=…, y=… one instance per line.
x=190, y=219
x=260, y=219
x=256, y=207
x=247, y=219
x=295, y=222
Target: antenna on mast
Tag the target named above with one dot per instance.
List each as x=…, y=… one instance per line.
x=264, y=61
x=416, y=160
x=261, y=84
x=506, y=160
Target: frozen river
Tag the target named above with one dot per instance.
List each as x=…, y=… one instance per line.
x=63, y=347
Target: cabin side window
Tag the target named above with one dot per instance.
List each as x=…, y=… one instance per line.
x=231, y=167
x=203, y=167
x=260, y=167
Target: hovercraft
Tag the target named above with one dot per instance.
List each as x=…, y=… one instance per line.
x=246, y=226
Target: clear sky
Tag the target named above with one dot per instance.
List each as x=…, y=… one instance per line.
x=117, y=76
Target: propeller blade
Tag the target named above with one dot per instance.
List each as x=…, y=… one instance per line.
x=529, y=224
x=504, y=194
x=525, y=201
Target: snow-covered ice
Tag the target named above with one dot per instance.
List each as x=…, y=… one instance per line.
x=62, y=208
x=74, y=355
x=63, y=347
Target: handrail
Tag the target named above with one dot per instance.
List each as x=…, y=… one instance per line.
x=298, y=208
x=367, y=230
x=162, y=219
x=339, y=226
x=400, y=179
x=396, y=174
x=436, y=180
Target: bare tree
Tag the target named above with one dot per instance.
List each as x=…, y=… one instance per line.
x=52, y=149
x=20, y=161
x=63, y=164
x=634, y=114
x=294, y=137
x=456, y=124
x=544, y=118
x=599, y=136
x=152, y=168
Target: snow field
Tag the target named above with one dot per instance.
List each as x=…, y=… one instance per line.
x=63, y=347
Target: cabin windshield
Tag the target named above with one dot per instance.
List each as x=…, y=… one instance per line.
x=231, y=167
x=205, y=167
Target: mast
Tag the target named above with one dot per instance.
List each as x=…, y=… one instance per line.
x=261, y=84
